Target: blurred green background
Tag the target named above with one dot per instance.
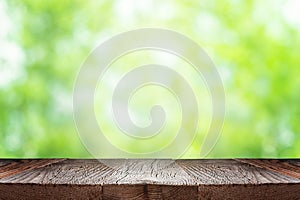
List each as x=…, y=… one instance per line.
x=254, y=44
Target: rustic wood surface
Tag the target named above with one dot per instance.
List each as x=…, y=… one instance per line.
x=149, y=179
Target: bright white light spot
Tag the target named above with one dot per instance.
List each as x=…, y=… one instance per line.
x=291, y=12
x=130, y=12
x=11, y=55
x=286, y=137
x=209, y=27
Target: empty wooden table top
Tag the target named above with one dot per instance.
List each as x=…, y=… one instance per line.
x=149, y=179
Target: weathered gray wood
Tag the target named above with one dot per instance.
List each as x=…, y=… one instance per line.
x=220, y=172
x=149, y=179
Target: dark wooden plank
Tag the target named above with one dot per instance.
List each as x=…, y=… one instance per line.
x=126, y=191
x=251, y=192
x=286, y=167
x=46, y=191
x=13, y=167
x=149, y=179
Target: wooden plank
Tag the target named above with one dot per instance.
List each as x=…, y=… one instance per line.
x=155, y=172
x=13, y=167
x=252, y=192
x=287, y=167
x=149, y=179
x=126, y=191
x=46, y=191
x=71, y=172
x=223, y=172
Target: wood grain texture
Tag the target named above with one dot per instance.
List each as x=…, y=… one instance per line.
x=220, y=172
x=45, y=191
x=12, y=167
x=149, y=179
x=286, y=167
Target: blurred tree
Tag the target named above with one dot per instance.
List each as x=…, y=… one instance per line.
x=253, y=44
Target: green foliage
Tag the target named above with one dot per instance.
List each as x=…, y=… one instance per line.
x=253, y=44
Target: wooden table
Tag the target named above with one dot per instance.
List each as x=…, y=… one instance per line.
x=149, y=179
